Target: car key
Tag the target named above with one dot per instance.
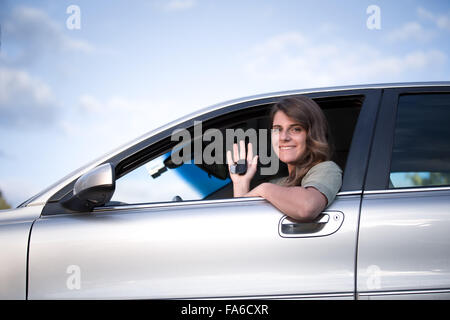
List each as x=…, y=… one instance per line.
x=239, y=167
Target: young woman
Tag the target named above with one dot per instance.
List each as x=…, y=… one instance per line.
x=299, y=138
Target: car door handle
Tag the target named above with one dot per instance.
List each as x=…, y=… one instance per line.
x=326, y=223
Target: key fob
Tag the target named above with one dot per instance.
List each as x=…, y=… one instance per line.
x=240, y=167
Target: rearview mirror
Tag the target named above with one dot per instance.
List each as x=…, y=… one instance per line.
x=92, y=189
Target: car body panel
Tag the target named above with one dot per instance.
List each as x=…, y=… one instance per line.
x=15, y=227
x=227, y=249
x=404, y=250
x=404, y=243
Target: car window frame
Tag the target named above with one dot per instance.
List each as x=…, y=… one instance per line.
x=378, y=173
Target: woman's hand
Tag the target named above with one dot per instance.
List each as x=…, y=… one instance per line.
x=241, y=183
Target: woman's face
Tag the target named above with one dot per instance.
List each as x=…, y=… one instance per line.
x=288, y=138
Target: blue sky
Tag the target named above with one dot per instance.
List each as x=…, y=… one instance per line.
x=69, y=96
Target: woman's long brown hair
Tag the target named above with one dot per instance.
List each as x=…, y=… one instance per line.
x=311, y=118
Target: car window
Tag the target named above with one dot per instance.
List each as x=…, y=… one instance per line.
x=421, y=152
x=196, y=178
x=157, y=181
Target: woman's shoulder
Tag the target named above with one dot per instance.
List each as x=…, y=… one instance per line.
x=323, y=170
x=277, y=180
x=325, y=166
x=327, y=172
x=326, y=177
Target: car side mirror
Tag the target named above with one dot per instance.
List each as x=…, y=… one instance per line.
x=93, y=189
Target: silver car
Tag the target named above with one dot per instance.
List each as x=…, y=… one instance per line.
x=138, y=224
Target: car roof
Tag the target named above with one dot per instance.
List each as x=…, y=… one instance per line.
x=42, y=197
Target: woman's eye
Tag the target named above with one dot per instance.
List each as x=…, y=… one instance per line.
x=296, y=130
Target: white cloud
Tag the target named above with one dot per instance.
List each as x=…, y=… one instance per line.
x=24, y=100
x=34, y=33
x=90, y=104
x=424, y=14
x=118, y=120
x=176, y=5
x=442, y=21
x=279, y=43
x=27, y=35
x=410, y=31
x=292, y=58
x=422, y=59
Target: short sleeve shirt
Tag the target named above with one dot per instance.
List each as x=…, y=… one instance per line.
x=325, y=177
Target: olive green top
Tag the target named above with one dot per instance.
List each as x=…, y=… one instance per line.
x=325, y=177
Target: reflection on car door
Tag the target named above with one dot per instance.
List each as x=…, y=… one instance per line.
x=404, y=242
x=229, y=248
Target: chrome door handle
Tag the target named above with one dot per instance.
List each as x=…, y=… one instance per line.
x=328, y=222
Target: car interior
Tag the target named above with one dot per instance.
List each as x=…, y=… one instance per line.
x=342, y=115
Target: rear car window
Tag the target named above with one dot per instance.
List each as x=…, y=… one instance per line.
x=421, y=152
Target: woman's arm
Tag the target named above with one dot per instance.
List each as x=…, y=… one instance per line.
x=303, y=204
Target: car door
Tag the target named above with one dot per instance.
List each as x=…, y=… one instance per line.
x=404, y=243
x=203, y=248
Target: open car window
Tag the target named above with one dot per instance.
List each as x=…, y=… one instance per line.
x=158, y=181
x=163, y=180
